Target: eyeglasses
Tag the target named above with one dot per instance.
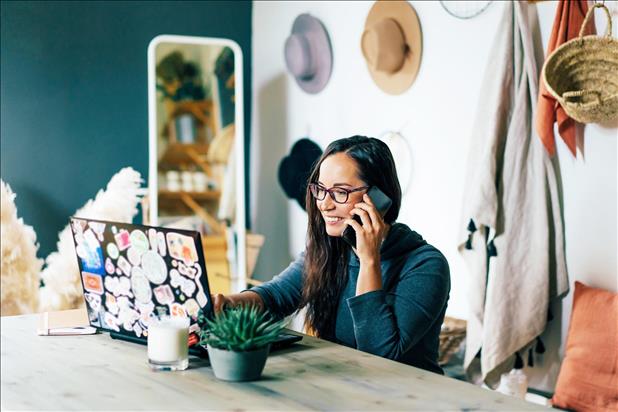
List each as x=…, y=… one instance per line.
x=338, y=194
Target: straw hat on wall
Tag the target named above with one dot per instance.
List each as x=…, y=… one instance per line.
x=392, y=45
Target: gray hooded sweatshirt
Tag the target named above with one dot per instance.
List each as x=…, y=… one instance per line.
x=402, y=320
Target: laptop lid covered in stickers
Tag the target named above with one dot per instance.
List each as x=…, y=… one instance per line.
x=132, y=273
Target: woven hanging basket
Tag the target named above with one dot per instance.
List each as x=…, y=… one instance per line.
x=582, y=74
x=452, y=333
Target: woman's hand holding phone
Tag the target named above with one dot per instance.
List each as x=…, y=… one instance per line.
x=368, y=238
x=370, y=232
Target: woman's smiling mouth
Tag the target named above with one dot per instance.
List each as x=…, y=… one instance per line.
x=332, y=220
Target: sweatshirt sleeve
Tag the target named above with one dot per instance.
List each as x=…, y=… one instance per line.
x=282, y=294
x=390, y=330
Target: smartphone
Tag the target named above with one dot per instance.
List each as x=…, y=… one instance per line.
x=382, y=204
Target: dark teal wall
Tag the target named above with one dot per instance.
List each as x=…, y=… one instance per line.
x=74, y=101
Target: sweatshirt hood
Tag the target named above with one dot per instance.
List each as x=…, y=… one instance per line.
x=401, y=240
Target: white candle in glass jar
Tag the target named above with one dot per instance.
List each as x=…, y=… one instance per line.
x=172, y=178
x=168, y=340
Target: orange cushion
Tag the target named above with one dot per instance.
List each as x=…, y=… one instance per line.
x=588, y=379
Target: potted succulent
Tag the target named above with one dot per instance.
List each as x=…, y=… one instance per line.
x=238, y=342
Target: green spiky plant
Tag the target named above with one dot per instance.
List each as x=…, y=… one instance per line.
x=240, y=329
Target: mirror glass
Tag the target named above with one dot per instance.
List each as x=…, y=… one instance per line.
x=196, y=176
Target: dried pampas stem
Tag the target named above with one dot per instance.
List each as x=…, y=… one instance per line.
x=118, y=203
x=20, y=267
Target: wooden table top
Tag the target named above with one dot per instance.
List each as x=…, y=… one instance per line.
x=96, y=372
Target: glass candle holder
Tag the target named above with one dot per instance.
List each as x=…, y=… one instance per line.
x=168, y=343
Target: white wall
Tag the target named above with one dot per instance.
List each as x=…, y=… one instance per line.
x=436, y=116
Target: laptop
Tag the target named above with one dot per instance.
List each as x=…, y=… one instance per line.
x=132, y=273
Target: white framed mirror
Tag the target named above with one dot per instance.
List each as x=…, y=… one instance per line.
x=196, y=149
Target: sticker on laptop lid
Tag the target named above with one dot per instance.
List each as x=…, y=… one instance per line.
x=79, y=238
x=112, y=251
x=112, y=284
x=177, y=310
x=187, y=286
x=127, y=317
x=109, y=266
x=124, y=265
x=91, y=239
x=111, y=304
x=161, y=244
x=175, y=278
x=181, y=247
x=90, y=253
x=202, y=300
x=123, y=239
x=198, y=271
x=145, y=319
x=145, y=309
x=124, y=286
x=139, y=240
x=93, y=300
x=124, y=303
x=140, y=285
x=164, y=294
x=111, y=322
x=92, y=260
x=127, y=325
x=94, y=317
x=138, y=330
x=186, y=270
x=192, y=307
x=98, y=229
x=194, y=328
x=78, y=226
x=154, y=267
x=134, y=255
x=93, y=282
x=152, y=238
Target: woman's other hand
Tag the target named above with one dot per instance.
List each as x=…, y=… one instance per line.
x=221, y=301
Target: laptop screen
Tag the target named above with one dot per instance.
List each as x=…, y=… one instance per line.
x=132, y=273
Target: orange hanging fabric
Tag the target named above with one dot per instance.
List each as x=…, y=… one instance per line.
x=569, y=18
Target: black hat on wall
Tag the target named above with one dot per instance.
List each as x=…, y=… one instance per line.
x=295, y=168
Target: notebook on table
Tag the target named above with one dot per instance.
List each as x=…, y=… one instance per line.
x=133, y=273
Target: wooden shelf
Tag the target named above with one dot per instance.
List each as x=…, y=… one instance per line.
x=201, y=109
x=191, y=201
x=187, y=156
x=182, y=154
x=208, y=195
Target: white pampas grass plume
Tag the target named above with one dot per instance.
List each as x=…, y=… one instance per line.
x=20, y=268
x=61, y=276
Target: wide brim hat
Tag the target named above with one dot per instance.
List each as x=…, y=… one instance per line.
x=308, y=54
x=392, y=45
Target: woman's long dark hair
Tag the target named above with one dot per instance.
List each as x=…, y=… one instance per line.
x=326, y=257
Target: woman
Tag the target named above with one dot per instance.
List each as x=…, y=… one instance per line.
x=387, y=295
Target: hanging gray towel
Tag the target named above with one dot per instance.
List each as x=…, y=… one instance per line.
x=512, y=235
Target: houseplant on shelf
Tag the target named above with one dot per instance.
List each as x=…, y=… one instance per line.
x=238, y=341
